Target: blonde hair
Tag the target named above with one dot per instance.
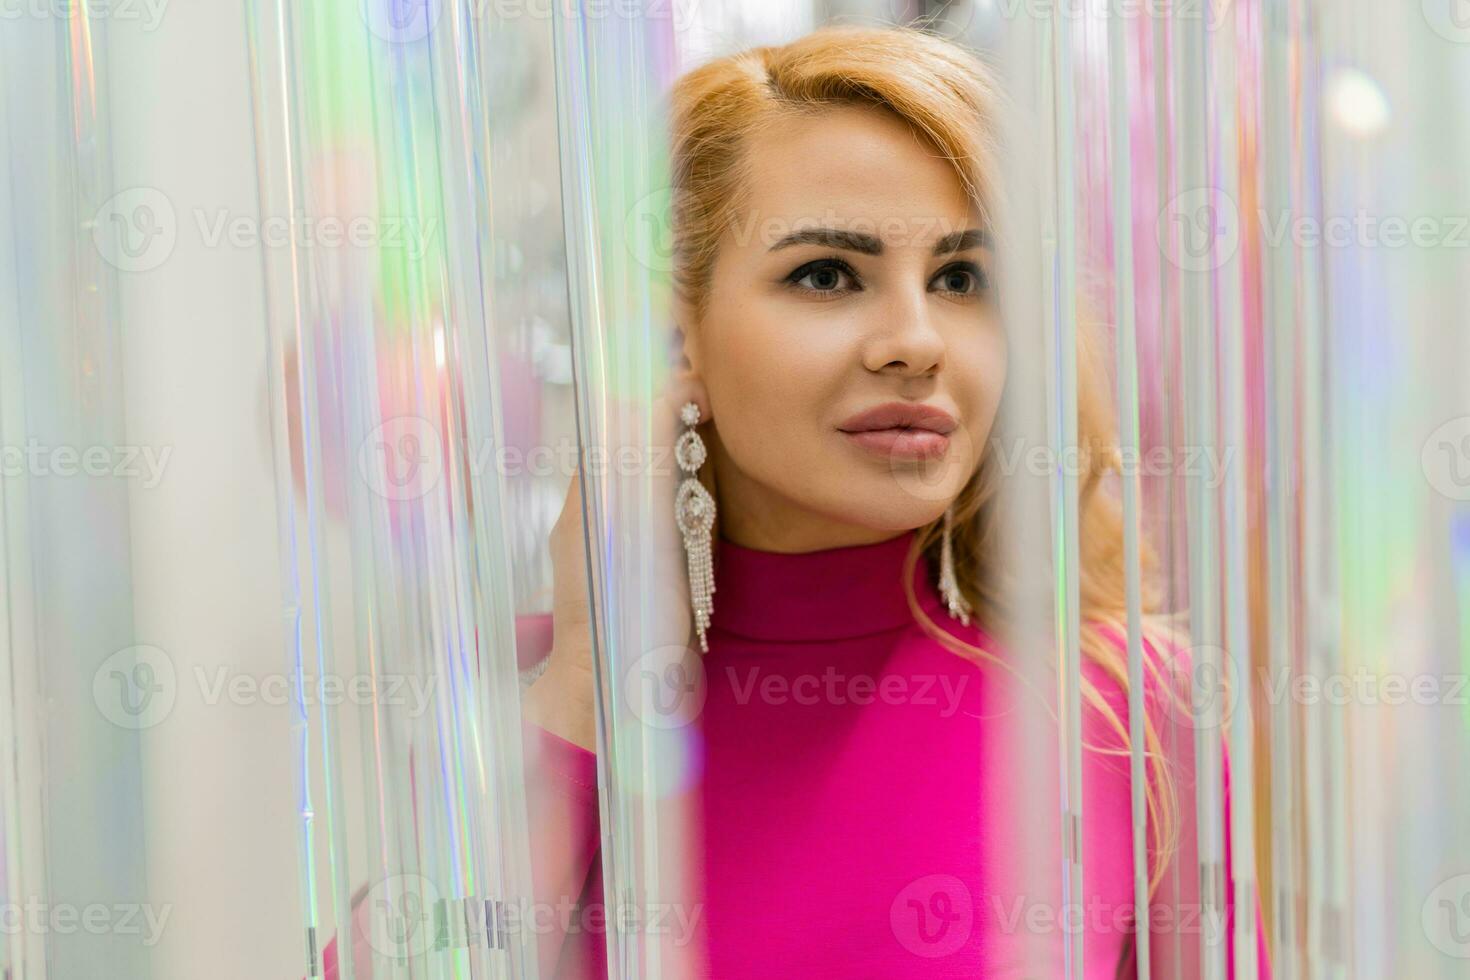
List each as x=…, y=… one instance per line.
x=948, y=97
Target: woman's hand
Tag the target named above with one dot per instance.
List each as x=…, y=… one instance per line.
x=561, y=699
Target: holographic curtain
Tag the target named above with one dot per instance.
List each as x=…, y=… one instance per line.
x=1291, y=230
x=1261, y=205
x=424, y=438
x=72, y=784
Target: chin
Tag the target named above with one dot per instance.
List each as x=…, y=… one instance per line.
x=882, y=505
x=922, y=486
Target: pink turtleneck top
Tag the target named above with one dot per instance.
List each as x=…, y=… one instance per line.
x=856, y=802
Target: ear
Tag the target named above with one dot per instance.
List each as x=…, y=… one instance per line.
x=688, y=378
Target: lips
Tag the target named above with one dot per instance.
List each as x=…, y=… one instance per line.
x=904, y=430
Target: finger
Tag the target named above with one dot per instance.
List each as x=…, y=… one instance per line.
x=574, y=485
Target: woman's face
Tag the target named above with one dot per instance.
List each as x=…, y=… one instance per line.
x=856, y=277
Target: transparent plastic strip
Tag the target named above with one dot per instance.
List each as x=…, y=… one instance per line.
x=610, y=75
x=1065, y=486
x=1197, y=317
x=266, y=34
x=1326, y=858
x=1231, y=65
x=1121, y=181
x=1176, y=884
x=1279, y=105
x=1027, y=253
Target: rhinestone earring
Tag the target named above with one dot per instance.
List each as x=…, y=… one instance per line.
x=694, y=512
x=949, y=588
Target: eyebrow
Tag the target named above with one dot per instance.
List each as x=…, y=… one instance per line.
x=856, y=241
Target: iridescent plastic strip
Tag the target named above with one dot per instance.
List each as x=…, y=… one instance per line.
x=1121, y=177
x=1063, y=400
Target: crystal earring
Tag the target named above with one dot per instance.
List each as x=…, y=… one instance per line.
x=949, y=589
x=694, y=511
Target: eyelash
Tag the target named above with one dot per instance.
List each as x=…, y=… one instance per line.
x=982, y=282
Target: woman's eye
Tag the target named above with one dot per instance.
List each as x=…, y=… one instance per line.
x=824, y=276
x=964, y=279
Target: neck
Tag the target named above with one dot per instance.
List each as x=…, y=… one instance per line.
x=824, y=594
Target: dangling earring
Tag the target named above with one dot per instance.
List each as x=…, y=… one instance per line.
x=694, y=511
x=949, y=588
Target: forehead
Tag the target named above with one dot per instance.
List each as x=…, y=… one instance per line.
x=857, y=167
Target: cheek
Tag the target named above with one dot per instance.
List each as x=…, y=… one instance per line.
x=983, y=361
x=770, y=367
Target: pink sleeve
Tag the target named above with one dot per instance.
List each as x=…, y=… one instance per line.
x=561, y=809
x=562, y=820
x=566, y=874
x=562, y=817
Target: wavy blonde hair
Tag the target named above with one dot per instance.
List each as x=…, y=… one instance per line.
x=949, y=97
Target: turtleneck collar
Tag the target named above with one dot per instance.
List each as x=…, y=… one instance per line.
x=832, y=594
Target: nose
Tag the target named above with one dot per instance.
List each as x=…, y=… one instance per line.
x=905, y=340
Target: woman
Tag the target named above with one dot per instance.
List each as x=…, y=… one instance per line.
x=845, y=361
x=843, y=367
